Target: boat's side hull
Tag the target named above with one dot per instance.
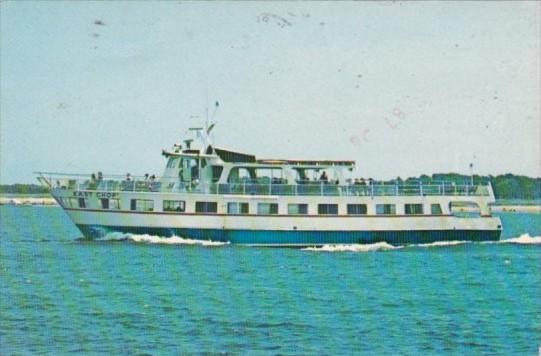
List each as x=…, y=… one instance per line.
x=282, y=228
x=299, y=238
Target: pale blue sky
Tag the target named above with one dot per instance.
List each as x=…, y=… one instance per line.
x=402, y=88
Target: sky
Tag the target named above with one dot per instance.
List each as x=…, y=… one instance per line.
x=402, y=88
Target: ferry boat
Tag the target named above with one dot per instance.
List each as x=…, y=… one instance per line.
x=212, y=193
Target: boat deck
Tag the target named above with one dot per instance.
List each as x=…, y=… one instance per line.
x=312, y=188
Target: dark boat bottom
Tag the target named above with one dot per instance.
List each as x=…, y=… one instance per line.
x=308, y=238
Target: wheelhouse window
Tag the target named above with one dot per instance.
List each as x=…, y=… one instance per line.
x=206, y=207
x=327, y=209
x=110, y=204
x=142, y=205
x=385, y=209
x=237, y=208
x=267, y=208
x=297, y=209
x=413, y=209
x=216, y=173
x=174, y=205
x=357, y=209
x=172, y=162
x=435, y=209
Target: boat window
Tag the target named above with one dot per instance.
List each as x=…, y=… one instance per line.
x=184, y=163
x=357, y=209
x=237, y=208
x=206, y=207
x=82, y=203
x=267, y=208
x=174, y=205
x=104, y=203
x=297, y=209
x=240, y=174
x=71, y=202
x=327, y=209
x=385, y=209
x=464, y=209
x=269, y=175
x=216, y=173
x=142, y=205
x=413, y=209
x=172, y=162
x=113, y=204
x=435, y=209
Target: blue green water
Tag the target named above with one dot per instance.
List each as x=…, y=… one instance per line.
x=60, y=295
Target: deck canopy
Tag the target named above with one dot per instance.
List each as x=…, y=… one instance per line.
x=234, y=157
x=239, y=157
x=296, y=162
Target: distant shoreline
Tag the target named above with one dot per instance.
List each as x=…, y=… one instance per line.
x=45, y=199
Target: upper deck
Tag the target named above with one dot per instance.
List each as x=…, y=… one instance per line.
x=259, y=187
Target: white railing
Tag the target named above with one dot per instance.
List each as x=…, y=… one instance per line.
x=256, y=187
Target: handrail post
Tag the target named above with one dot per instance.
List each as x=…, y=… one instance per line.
x=244, y=187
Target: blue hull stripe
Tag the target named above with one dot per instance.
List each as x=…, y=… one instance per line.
x=279, y=237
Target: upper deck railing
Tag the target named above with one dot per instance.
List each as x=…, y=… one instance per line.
x=247, y=187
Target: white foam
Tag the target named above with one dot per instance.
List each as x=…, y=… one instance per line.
x=115, y=236
x=174, y=240
x=378, y=246
x=524, y=239
x=442, y=243
x=153, y=239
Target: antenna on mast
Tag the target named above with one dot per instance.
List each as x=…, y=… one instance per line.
x=213, y=123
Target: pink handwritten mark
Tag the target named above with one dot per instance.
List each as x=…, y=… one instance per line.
x=356, y=140
x=398, y=115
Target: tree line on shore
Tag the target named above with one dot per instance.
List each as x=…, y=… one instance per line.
x=506, y=186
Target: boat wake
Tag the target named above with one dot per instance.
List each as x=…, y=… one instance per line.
x=524, y=239
x=153, y=239
x=378, y=246
x=442, y=244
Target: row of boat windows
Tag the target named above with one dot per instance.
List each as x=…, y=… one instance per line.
x=244, y=208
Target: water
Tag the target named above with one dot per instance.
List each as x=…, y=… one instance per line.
x=142, y=295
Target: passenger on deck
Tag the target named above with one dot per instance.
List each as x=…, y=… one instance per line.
x=324, y=177
x=128, y=177
x=93, y=182
x=362, y=181
x=100, y=176
x=146, y=176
